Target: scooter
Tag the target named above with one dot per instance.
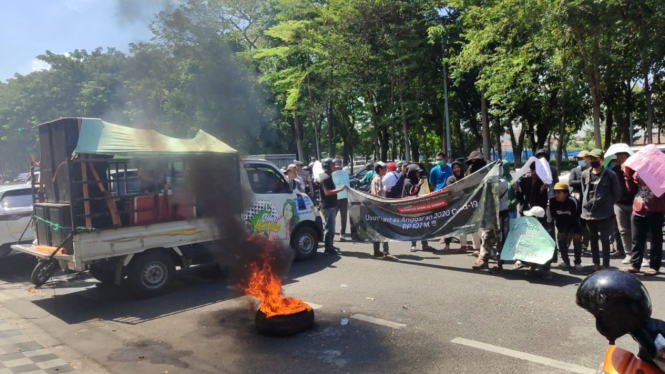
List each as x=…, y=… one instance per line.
x=650, y=359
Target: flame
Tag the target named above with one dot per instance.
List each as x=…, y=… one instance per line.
x=266, y=285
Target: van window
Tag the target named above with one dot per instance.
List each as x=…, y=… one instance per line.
x=265, y=180
x=16, y=198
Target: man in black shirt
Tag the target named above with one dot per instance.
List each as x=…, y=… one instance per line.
x=565, y=210
x=623, y=208
x=329, y=202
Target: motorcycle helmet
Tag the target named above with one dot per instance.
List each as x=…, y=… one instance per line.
x=326, y=164
x=619, y=301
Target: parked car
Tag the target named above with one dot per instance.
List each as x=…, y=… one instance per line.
x=15, y=211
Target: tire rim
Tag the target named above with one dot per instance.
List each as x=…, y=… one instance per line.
x=305, y=244
x=154, y=275
x=45, y=272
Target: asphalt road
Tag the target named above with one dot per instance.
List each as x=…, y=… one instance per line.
x=426, y=313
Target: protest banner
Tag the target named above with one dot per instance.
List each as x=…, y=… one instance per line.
x=528, y=241
x=341, y=178
x=461, y=208
x=542, y=169
x=649, y=164
x=614, y=149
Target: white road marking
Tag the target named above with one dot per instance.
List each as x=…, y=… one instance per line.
x=314, y=306
x=378, y=321
x=524, y=356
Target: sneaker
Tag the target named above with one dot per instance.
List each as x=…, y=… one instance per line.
x=413, y=248
x=563, y=265
x=330, y=251
x=626, y=260
x=645, y=264
x=579, y=267
x=342, y=239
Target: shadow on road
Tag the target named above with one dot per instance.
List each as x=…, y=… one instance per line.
x=80, y=298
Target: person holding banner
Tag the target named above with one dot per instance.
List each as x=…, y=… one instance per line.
x=412, y=186
x=329, y=203
x=600, y=190
x=458, y=174
x=341, y=177
x=377, y=189
x=439, y=175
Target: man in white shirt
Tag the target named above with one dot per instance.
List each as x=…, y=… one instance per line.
x=391, y=176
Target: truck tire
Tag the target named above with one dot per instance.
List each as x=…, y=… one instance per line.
x=5, y=250
x=284, y=325
x=151, y=273
x=305, y=242
x=43, y=272
x=103, y=274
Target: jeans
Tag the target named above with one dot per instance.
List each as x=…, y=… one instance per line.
x=563, y=242
x=643, y=225
x=600, y=230
x=377, y=246
x=413, y=243
x=330, y=214
x=343, y=208
x=624, y=215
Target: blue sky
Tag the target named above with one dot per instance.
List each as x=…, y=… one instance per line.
x=30, y=27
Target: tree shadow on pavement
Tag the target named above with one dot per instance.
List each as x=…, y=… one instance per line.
x=559, y=279
x=81, y=299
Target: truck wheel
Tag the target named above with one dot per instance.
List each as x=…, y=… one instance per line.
x=5, y=250
x=305, y=242
x=103, y=274
x=151, y=273
x=43, y=272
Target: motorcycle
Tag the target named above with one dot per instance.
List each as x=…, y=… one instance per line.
x=613, y=296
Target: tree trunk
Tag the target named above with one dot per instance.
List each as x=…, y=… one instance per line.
x=331, y=120
x=486, y=125
x=647, y=97
x=415, y=148
x=405, y=129
x=298, y=130
x=460, y=135
x=629, y=110
x=394, y=139
x=317, y=137
x=517, y=146
x=609, y=120
x=498, y=138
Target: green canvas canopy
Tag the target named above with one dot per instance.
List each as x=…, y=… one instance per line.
x=99, y=137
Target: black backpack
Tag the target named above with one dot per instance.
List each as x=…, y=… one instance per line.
x=395, y=191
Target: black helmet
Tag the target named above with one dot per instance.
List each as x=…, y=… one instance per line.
x=618, y=300
x=543, y=152
x=326, y=164
x=369, y=166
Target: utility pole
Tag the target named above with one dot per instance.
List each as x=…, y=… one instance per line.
x=445, y=94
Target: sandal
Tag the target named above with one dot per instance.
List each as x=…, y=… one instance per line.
x=388, y=256
x=651, y=272
x=480, y=264
x=630, y=270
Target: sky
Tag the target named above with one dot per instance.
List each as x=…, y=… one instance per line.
x=29, y=28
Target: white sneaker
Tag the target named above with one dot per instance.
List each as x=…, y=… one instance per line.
x=579, y=267
x=413, y=248
x=563, y=265
x=645, y=264
x=626, y=260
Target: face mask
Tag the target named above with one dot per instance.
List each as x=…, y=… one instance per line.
x=611, y=165
x=581, y=163
x=595, y=164
x=440, y=163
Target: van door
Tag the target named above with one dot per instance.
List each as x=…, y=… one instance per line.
x=274, y=212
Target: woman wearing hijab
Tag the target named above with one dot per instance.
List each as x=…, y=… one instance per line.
x=412, y=185
x=458, y=174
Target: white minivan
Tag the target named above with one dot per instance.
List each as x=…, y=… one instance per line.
x=15, y=212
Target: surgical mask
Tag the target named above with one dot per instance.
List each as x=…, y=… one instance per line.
x=611, y=165
x=595, y=164
x=581, y=163
x=440, y=163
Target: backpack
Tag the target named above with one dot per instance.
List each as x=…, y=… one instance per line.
x=396, y=190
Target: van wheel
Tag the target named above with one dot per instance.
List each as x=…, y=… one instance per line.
x=103, y=274
x=151, y=273
x=305, y=242
x=5, y=250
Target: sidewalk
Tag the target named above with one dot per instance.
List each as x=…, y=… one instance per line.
x=20, y=354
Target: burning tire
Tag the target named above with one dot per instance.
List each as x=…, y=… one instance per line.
x=285, y=324
x=305, y=242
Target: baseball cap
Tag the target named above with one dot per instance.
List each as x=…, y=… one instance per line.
x=536, y=212
x=582, y=154
x=296, y=162
x=561, y=186
x=392, y=166
x=595, y=153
